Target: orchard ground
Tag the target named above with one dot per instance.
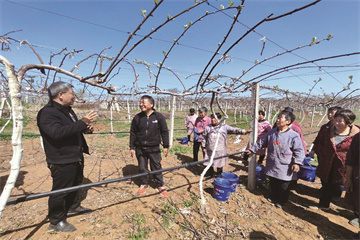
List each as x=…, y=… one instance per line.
x=120, y=213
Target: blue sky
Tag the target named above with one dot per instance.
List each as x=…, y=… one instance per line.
x=93, y=25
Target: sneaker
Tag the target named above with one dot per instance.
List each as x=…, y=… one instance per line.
x=62, y=226
x=163, y=191
x=355, y=222
x=319, y=207
x=79, y=210
x=143, y=188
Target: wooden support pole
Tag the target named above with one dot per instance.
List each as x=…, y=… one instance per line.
x=172, y=120
x=253, y=135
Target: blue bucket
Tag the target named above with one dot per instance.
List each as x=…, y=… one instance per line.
x=260, y=174
x=307, y=173
x=222, y=189
x=232, y=178
x=307, y=160
x=184, y=140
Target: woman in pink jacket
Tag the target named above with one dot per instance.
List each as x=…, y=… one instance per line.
x=190, y=123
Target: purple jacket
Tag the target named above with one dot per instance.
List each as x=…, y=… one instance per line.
x=284, y=150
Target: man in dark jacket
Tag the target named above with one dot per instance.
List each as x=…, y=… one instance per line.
x=147, y=129
x=64, y=145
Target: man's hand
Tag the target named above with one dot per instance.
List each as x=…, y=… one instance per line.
x=90, y=117
x=295, y=168
x=89, y=129
x=132, y=153
x=166, y=152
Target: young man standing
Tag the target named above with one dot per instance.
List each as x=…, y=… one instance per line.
x=148, y=128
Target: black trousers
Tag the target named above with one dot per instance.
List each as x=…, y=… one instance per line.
x=196, y=147
x=280, y=190
x=328, y=191
x=152, y=155
x=63, y=176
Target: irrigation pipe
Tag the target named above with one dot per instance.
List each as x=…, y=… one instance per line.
x=88, y=185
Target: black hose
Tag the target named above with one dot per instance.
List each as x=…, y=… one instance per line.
x=88, y=185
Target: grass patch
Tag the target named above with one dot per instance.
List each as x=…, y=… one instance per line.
x=181, y=149
x=169, y=209
x=187, y=203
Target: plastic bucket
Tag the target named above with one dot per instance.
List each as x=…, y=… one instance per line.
x=307, y=173
x=184, y=140
x=307, y=161
x=232, y=178
x=260, y=174
x=222, y=189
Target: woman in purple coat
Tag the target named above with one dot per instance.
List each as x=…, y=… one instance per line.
x=285, y=155
x=209, y=139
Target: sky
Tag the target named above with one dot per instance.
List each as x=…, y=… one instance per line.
x=92, y=26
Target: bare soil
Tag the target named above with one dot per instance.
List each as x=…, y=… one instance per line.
x=120, y=213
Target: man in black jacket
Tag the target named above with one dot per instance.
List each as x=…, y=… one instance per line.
x=64, y=145
x=147, y=129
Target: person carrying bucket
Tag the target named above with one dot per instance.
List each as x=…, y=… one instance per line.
x=208, y=143
x=285, y=155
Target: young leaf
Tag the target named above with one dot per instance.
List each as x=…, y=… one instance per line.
x=230, y=3
x=143, y=12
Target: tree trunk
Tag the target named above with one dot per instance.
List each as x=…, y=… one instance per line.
x=16, y=139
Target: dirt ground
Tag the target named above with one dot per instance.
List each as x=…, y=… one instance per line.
x=120, y=213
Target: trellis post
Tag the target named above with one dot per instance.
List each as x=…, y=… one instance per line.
x=172, y=120
x=253, y=135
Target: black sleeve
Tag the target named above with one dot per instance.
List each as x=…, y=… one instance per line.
x=133, y=131
x=53, y=123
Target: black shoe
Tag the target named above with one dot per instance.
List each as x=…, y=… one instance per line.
x=79, y=210
x=62, y=226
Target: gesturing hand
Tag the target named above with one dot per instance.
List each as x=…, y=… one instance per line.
x=90, y=117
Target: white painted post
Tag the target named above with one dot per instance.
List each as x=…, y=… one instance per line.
x=235, y=115
x=312, y=117
x=172, y=120
x=111, y=118
x=128, y=110
x=253, y=136
x=269, y=112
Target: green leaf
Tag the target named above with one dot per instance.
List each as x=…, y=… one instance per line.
x=143, y=12
x=164, y=52
x=156, y=1
x=230, y=3
x=222, y=7
x=240, y=7
x=168, y=16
